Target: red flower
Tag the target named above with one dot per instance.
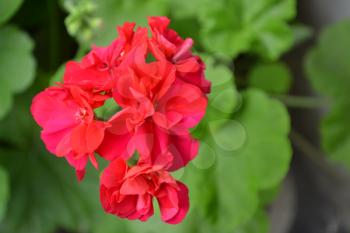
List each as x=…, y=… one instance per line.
x=69, y=129
x=158, y=111
x=97, y=70
x=129, y=192
x=160, y=101
x=167, y=44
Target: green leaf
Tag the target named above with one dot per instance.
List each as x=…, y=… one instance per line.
x=106, y=111
x=107, y=223
x=116, y=13
x=229, y=135
x=223, y=96
x=5, y=100
x=4, y=191
x=328, y=68
x=155, y=225
x=8, y=8
x=327, y=65
x=272, y=77
x=236, y=26
x=45, y=193
x=17, y=65
x=301, y=33
x=81, y=21
x=267, y=124
x=251, y=152
x=20, y=123
x=259, y=163
x=258, y=224
x=218, y=75
x=58, y=75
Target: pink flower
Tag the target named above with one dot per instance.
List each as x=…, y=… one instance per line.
x=69, y=129
x=129, y=192
x=167, y=44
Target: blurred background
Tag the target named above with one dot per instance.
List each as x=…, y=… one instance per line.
x=275, y=144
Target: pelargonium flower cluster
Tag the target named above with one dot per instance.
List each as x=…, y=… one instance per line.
x=160, y=100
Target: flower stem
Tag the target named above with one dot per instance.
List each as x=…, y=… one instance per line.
x=302, y=101
x=313, y=153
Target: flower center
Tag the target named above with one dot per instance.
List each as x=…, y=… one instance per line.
x=81, y=115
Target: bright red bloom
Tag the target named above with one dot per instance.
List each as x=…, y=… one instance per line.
x=160, y=101
x=97, y=70
x=69, y=129
x=129, y=192
x=158, y=111
x=167, y=44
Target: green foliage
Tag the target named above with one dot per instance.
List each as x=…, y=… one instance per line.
x=8, y=8
x=227, y=28
x=328, y=68
x=115, y=13
x=258, y=224
x=4, y=191
x=223, y=96
x=106, y=111
x=58, y=75
x=17, y=66
x=81, y=21
x=301, y=33
x=244, y=171
x=244, y=151
x=225, y=192
x=231, y=27
x=272, y=77
x=45, y=193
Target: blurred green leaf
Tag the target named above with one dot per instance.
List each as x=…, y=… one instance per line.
x=5, y=100
x=229, y=135
x=81, y=21
x=45, y=193
x=155, y=225
x=8, y=8
x=223, y=96
x=218, y=75
x=267, y=145
x=106, y=223
x=106, y=111
x=58, y=75
x=4, y=191
x=116, y=13
x=258, y=224
x=17, y=65
x=273, y=77
x=327, y=65
x=251, y=155
x=268, y=195
x=258, y=161
x=225, y=193
x=328, y=68
x=20, y=123
x=230, y=27
x=301, y=33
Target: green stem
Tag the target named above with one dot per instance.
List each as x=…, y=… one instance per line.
x=312, y=153
x=81, y=51
x=302, y=101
